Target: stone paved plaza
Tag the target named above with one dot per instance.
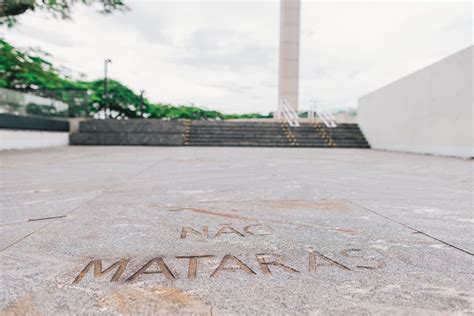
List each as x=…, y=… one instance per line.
x=185, y=230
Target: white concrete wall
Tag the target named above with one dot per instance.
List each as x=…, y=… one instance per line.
x=289, y=52
x=429, y=111
x=21, y=139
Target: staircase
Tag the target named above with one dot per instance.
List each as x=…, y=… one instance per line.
x=216, y=133
x=269, y=134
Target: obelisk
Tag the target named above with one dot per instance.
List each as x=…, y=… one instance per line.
x=289, y=52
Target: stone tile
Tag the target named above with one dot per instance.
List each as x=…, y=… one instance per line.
x=268, y=230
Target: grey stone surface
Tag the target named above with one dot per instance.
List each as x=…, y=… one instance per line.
x=131, y=132
x=129, y=139
x=132, y=126
x=358, y=231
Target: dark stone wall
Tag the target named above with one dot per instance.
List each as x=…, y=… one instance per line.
x=131, y=126
x=18, y=122
x=129, y=132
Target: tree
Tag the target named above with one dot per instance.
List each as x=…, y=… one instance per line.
x=121, y=103
x=21, y=70
x=10, y=9
x=31, y=72
x=15, y=7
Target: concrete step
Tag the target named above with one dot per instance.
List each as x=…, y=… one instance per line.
x=273, y=134
x=275, y=144
x=230, y=138
x=320, y=141
x=268, y=128
x=237, y=140
x=241, y=144
x=270, y=132
x=227, y=123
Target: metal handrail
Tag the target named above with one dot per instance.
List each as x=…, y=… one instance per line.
x=286, y=111
x=328, y=119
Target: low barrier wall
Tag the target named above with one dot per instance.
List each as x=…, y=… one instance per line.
x=30, y=121
x=22, y=132
x=131, y=132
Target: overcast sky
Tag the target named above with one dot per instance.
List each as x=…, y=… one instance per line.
x=224, y=55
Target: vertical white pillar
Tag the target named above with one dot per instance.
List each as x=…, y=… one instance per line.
x=289, y=51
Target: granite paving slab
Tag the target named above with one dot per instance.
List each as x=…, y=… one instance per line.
x=225, y=231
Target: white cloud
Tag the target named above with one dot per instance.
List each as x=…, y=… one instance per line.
x=224, y=55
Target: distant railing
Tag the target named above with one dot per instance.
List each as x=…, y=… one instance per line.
x=328, y=119
x=286, y=111
x=77, y=99
x=27, y=104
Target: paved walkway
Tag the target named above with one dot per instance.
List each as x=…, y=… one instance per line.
x=107, y=230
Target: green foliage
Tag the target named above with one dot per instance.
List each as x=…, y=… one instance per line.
x=121, y=102
x=15, y=7
x=10, y=9
x=182, y=112
x=247, y=116
x=21, y=70
x=350, y=111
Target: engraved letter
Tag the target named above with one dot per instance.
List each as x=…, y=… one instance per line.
x=257, y=230
x=97, y=264
x=312, y=261
x=186, y=230
x=263, y=263
x=227, y=229
x=193, y=262
x=240, y=265
x=161, y=264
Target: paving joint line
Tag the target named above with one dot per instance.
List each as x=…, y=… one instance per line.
x=105, y=190
x=50, y=223
x=409, y=227
x=45, y=218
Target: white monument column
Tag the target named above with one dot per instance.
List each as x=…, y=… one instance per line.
x=289, y=52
